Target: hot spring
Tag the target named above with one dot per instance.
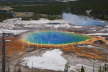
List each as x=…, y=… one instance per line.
x=54, y=38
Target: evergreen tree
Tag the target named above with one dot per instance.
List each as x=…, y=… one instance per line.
x=105, y=68
x=82, y=69
x=66, y=67
x=100, y=69
x=19, y=70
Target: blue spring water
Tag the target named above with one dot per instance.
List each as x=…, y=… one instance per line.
x=54, y=38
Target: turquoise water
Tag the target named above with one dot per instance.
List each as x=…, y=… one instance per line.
x=54, y=38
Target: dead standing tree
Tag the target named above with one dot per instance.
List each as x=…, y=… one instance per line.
x=3, y=53
x=5, y=61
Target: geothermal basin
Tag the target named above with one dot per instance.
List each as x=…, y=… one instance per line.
x=66, y=41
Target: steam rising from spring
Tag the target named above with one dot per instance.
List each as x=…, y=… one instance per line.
x=82, y=20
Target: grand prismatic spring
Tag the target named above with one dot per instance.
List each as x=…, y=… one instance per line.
x=54, y=38
x=66, y=41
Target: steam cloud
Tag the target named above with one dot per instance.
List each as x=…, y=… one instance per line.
x=82, y=20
